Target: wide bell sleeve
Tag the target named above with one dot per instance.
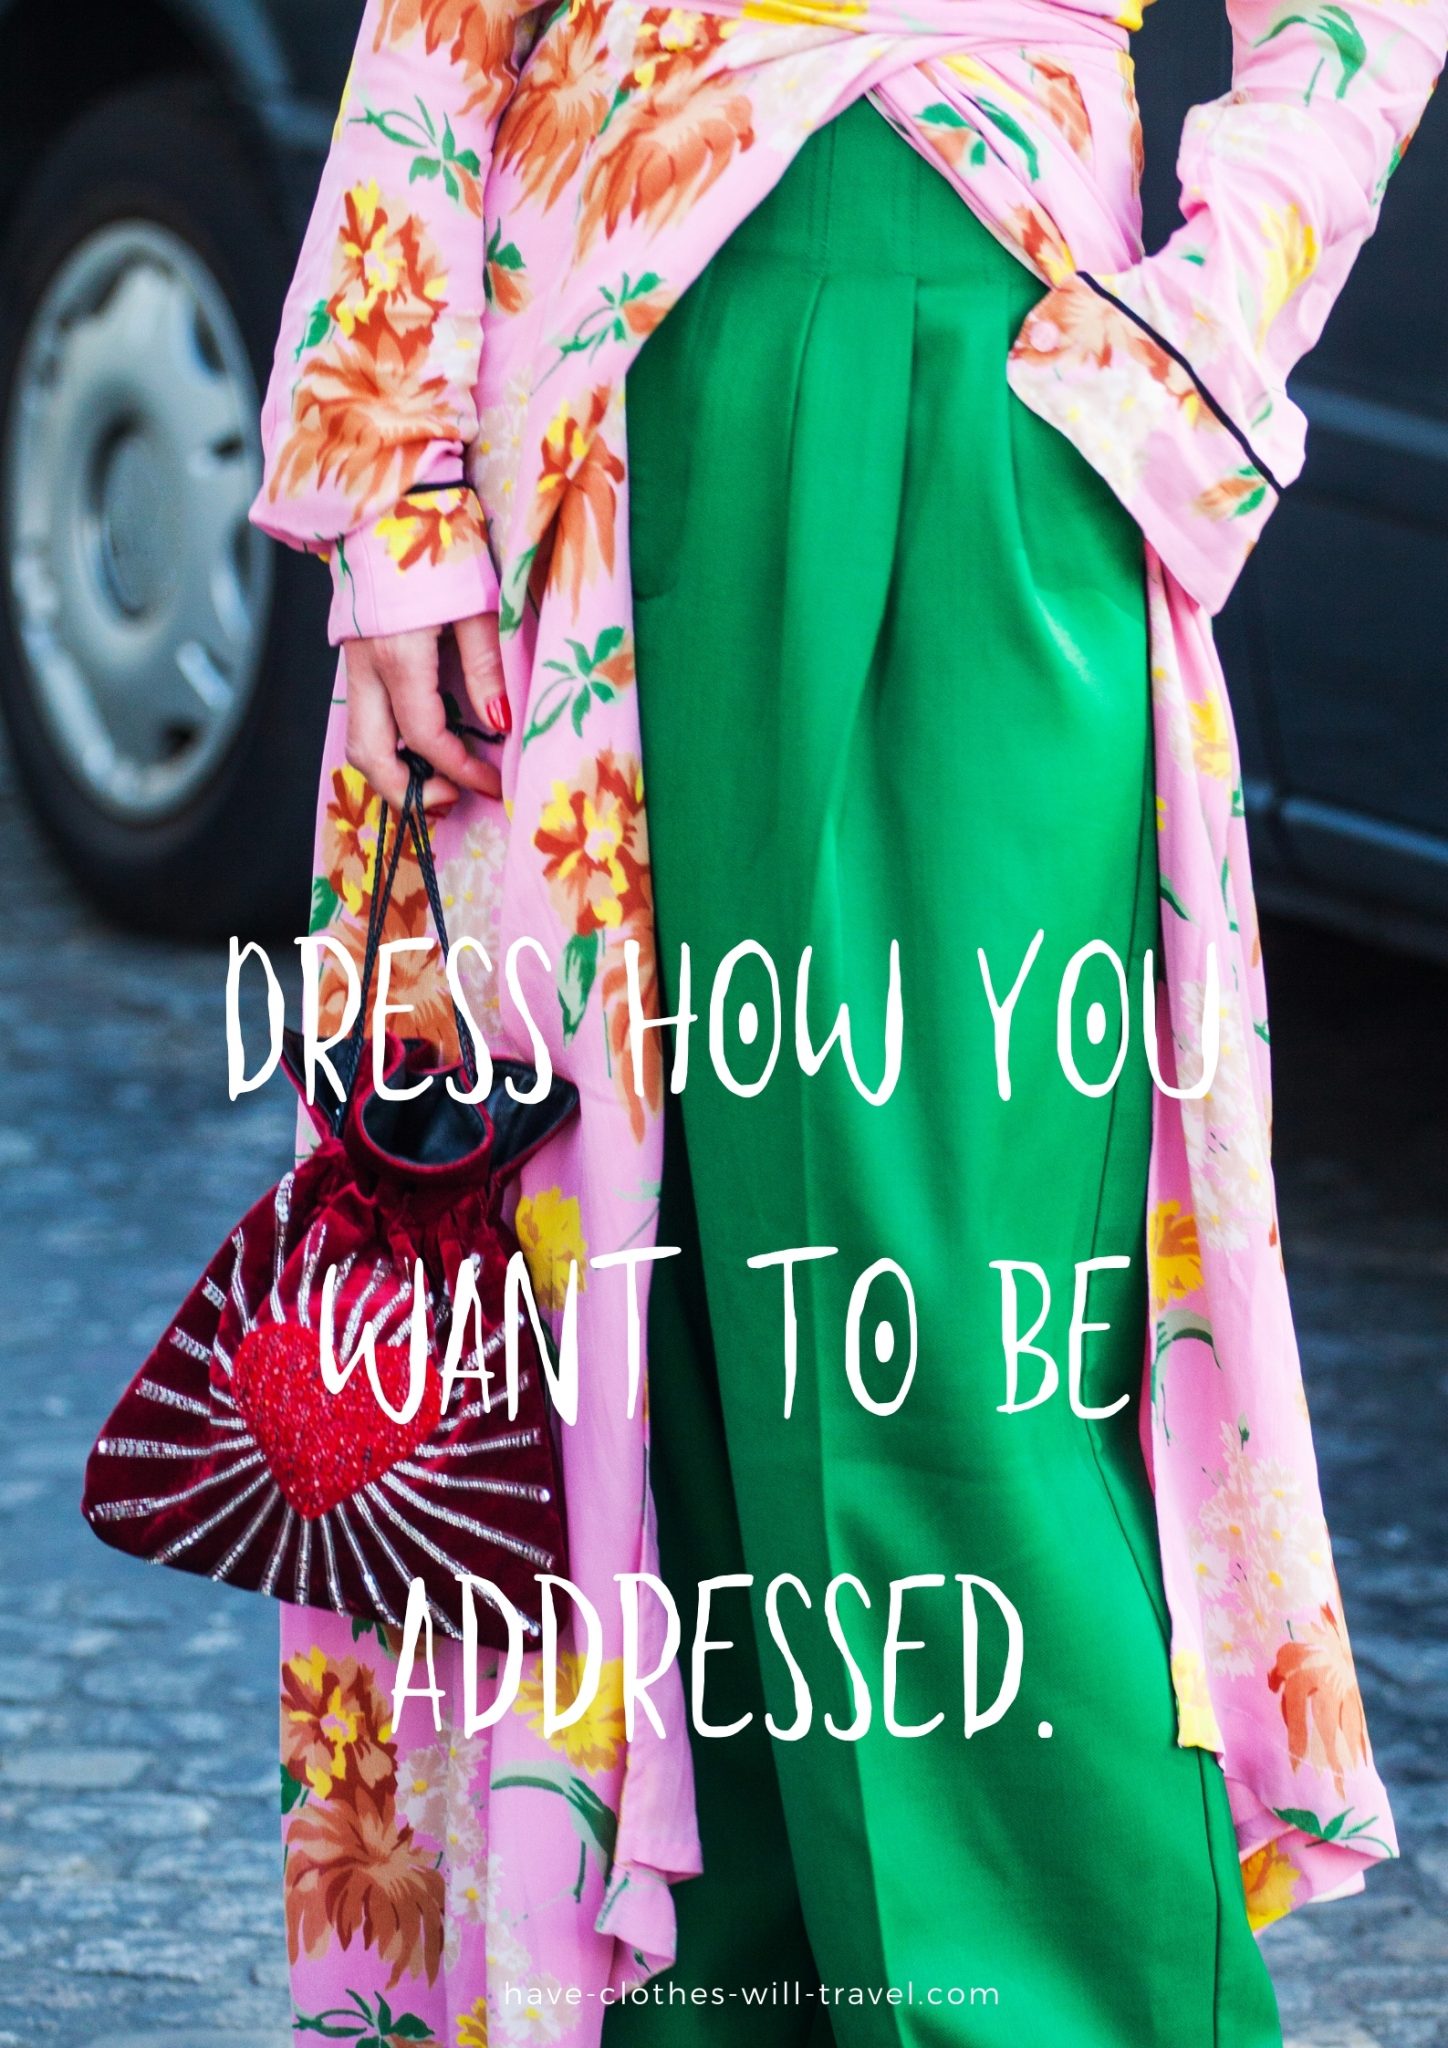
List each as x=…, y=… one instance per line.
x=369, y=407
x=1170, y=376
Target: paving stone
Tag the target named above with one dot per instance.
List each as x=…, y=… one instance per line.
x=133, y=1815
x=73, y=1770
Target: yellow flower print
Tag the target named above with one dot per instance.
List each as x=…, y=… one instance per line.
x=593, y=1742
x=349, y=837
x=1291, y=260
x=381, y=260
x=975, y=73
x=373, y=256
x=565, y=444
x=815, y=13
x=1130, y=15
x=335, y=1723
x=1174, y=1255
x=431, y=529
x=595, y=849
x=1211, y=745
x=345, y=101
x=473, y=2026
x=1269, y=1878
x=1196, y=1723
x=549, y=1228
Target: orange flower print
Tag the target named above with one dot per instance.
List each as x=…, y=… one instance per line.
x=432, y=528
x=1269, y=1879
x=594, y=845
x=352, y=1869
x=1061, y=99
x=613, y=992
x=1126, y=66
x=417, y=990
x=560, y=103
x=472, y=2027
x=505, y=283
x=663, y=151
x=362, y=421
x=578, y=495
x=1321, y=1704
x=388, y=283
x=1038, y=236
x=349, y=838
x=336, y=1725
x=671, y=37
x=479, y=36
x=1241, y=491
x=950, y=135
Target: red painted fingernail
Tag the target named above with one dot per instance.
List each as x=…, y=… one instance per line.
x=497, y=714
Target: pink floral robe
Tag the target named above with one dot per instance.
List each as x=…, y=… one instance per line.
x=512, y=202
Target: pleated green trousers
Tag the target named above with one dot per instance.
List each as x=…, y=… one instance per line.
x=893, y=677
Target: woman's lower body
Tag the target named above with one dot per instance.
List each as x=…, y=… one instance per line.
x=893, y=679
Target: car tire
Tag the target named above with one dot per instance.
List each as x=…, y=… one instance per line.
x=188, y=818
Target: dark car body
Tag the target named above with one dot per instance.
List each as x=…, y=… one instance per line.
x=1335, y=640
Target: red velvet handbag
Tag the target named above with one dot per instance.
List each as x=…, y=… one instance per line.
x=228, y=1455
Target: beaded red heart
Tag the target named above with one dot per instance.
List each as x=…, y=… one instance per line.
x=324, y=1447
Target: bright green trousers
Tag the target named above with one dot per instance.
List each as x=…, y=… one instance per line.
x=893, y=677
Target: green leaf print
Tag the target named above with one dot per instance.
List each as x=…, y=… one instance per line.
x=1251, y=499
x=1382, y=185
x=366, y=2026
x=318, y=327
x=1176, y=1326
x=433, y=156
x=610, y=320
x=344, y=573
x=512, y=599
x=1015, y=132
x=575, y=978
x=1340, y=30
x=1170, y=897
x=1306, y=1822
x=499, y=255
x=595, y=1824
x=575, y=686
x=324, y=903
x=294, y=1792
x=939, y=115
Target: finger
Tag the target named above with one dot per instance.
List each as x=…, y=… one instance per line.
x=408, y=668
x=372, y=731
x=422, y=721
x=481, y=656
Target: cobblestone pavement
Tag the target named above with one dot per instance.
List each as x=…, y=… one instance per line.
x=139, y=1859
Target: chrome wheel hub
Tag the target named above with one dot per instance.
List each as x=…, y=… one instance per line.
x=139, y=590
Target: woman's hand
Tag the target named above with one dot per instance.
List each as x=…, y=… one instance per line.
x=394, y=698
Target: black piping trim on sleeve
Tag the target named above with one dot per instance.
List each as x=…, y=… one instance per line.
x=1177, y=357
x=452, y=483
